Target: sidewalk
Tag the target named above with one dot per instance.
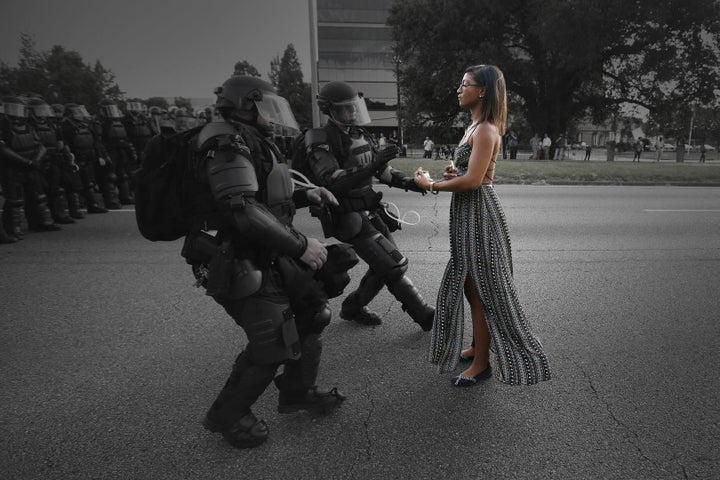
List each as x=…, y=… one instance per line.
x=600, y=155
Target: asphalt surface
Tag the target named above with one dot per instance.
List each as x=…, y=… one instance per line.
x=109, y=356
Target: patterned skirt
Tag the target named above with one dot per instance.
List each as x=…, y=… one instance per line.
x=480, y=247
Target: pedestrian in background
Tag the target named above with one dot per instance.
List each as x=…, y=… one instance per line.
x=638, y=150
x=480, y=264
x=588, y=151
x=546, y=144
x=428, y=147
x=659, y=147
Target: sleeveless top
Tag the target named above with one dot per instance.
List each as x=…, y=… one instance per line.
x=462, y=160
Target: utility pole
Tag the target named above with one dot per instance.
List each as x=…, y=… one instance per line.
x=312, y=5
x=399, y=104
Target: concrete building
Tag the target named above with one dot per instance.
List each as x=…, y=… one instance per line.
x=355, y=46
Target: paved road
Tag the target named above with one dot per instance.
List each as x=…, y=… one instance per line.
x=109, y=357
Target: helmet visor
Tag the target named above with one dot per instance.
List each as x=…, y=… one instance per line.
x=136, y=107
x=79, y=112
x=276, y=111
x=111, y=111
x=350, y=112
x=15, y=110
x=43, y=110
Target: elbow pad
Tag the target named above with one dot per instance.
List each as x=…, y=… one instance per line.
x=254, y=221
x=231, y=175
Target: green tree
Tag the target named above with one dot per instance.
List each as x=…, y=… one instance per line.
x=60, y=75
x=287, y=77
x=182, y=102
x=565, y=60
x=157, y=102
x=244, y=68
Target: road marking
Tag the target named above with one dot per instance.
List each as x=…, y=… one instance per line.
x=683, y=210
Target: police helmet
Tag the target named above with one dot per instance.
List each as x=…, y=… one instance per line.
x=340, y=102
x=108, y=109
x=59, y=109
x=14, y=107
x=136, y=107
x=245, y=94
x=39, y=109
x=76, y=112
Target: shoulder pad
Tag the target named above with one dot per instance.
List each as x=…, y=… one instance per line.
x=316, y=136
x=214, y=129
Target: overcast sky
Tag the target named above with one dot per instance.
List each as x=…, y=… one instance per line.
x=162, y=47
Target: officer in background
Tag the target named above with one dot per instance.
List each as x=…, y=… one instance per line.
x=89, y=155
x=344, y=158
x=57, y=160
x=137, y=125
x=260, y=269
x=22, y=155
x=123, y=158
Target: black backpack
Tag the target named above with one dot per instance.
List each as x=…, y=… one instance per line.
x=164, y=187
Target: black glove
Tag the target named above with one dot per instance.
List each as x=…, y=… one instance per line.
x=382, y=157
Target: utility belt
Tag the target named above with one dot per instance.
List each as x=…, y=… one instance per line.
x=217, y=269
x=358, y=200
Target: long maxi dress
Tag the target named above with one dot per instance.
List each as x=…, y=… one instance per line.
x=480, y=247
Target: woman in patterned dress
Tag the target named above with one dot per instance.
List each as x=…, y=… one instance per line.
x=480, y=265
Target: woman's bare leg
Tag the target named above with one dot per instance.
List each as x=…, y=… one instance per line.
x=481, y=335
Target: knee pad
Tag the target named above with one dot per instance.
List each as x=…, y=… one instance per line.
x=270, y=328
x=321, y=320
x=380, y=254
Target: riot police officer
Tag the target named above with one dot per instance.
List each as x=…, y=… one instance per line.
x=343, y=157
x=57, y=164
x=23, y=184
x=122, y=155
x=137, y=124
x=88, y=153
x=262, y=270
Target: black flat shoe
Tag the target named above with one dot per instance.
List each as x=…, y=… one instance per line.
x=463, y=358
x=463, y=381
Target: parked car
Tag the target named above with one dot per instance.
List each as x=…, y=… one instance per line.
x=669, y=147
x=709, y=148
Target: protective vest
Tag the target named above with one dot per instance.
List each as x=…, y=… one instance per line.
x=357, y=152
x=114, y=134
x=138, y=127
x=81, y=138
x=48, y=136
x=23, y=140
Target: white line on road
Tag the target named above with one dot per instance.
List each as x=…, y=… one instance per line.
x=682, y=210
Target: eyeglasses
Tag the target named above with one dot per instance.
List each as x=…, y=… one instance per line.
x=465, y=85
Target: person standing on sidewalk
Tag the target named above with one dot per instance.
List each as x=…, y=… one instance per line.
x=638, y=150
x=659, y=147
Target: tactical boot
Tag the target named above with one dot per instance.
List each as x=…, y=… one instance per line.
x=74, y=206
x=354, y=307
x=110, y=196
x=59, y=209
x=421, y=313
x=5, y=238
x=39, y=217
x=247, y=432
x=362, y=315
x=311, y=400
x=126, y=197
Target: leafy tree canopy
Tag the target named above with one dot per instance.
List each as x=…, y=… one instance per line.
x=287, y=77
x=60, y=75
x=564, y=60
x=244, y=68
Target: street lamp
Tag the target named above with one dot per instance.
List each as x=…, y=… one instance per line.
x=397, y=61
